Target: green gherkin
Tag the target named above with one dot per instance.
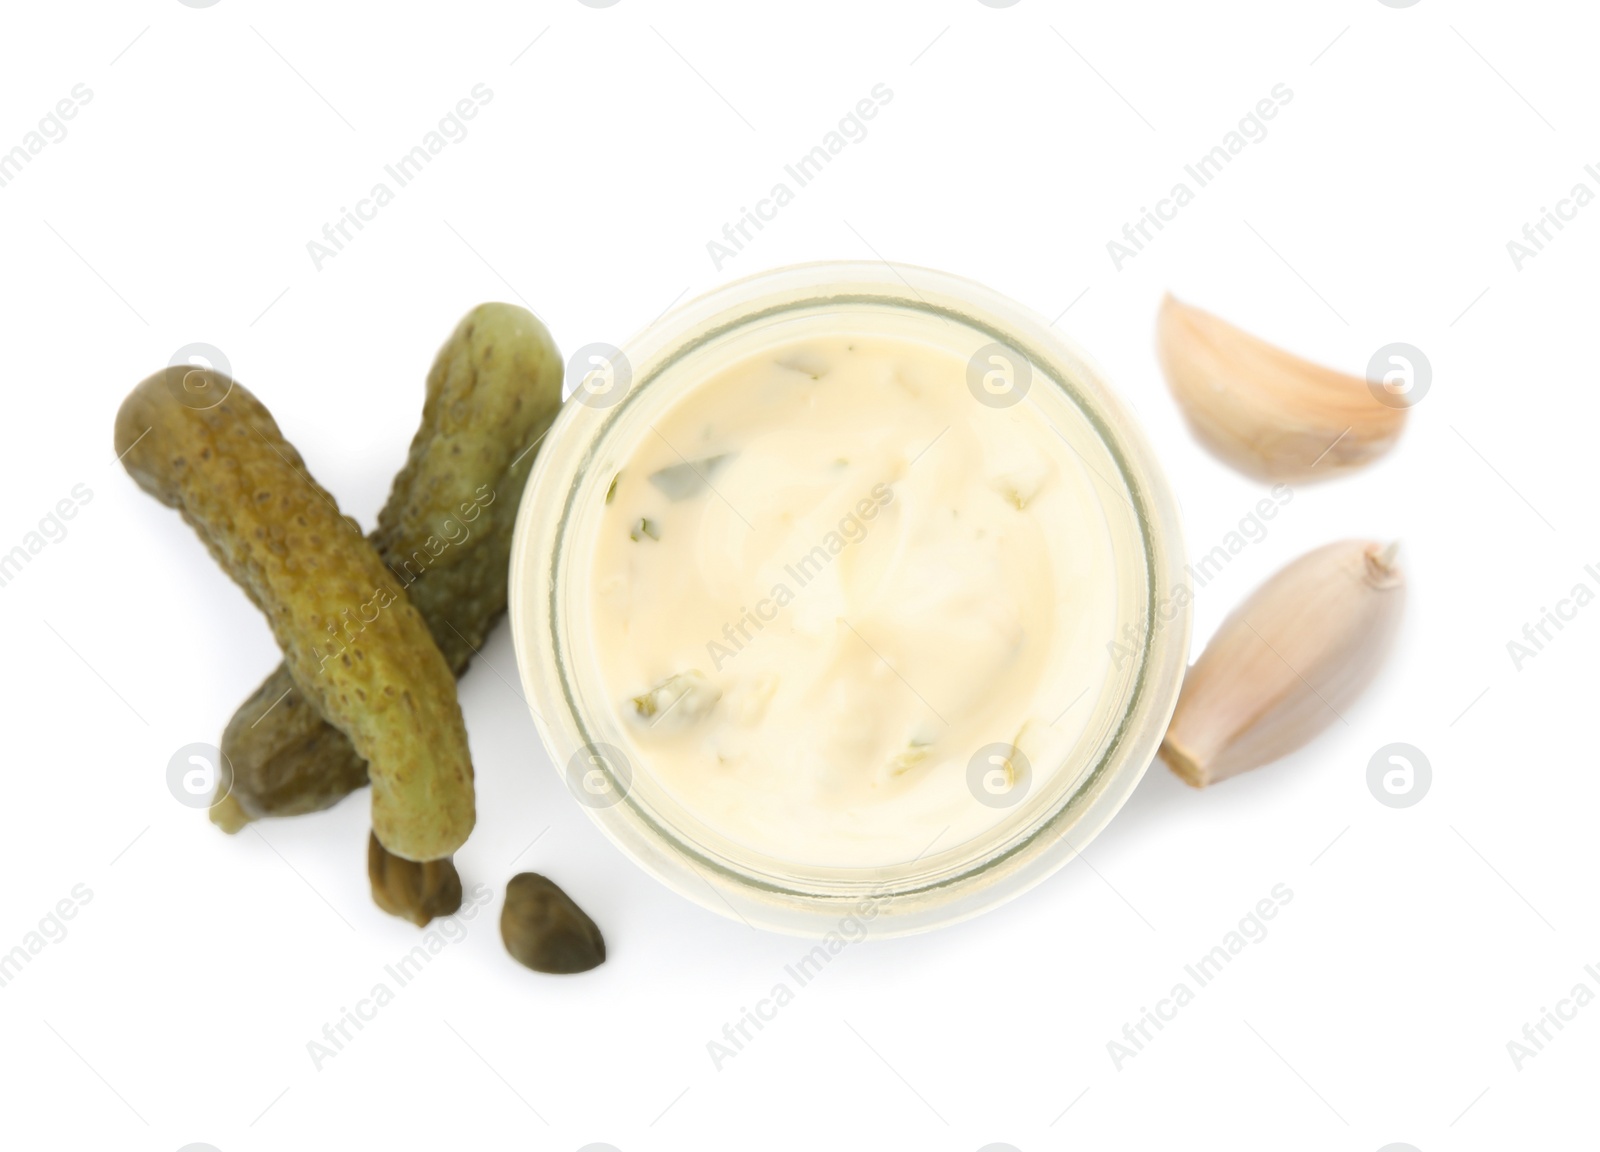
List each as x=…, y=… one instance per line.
x=353, y=645
x=445, y=533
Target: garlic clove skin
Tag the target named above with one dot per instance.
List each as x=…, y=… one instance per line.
x=1270, y=414
x=1287, y=662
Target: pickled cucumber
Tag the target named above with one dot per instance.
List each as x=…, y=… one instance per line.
x=445, y=533
x=354, y=646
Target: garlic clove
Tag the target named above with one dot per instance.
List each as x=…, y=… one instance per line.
x=1287, y=662
x=1269, y=413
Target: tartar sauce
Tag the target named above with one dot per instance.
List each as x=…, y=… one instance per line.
x=830, y=583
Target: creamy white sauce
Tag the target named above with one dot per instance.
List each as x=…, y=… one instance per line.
x=827, y=578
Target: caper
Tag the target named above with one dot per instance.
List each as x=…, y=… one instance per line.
x=544, y=930
x=412, y=891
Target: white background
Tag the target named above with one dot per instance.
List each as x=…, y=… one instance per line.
x=1418, y=942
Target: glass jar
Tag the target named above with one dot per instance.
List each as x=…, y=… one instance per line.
x=580, y=724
